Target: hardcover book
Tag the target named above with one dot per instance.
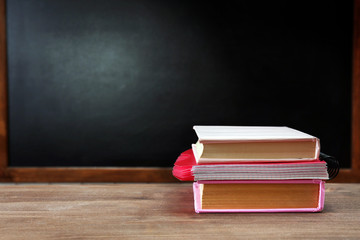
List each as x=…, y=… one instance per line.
x=259, y=196
x=186, y=169
x=226, y=144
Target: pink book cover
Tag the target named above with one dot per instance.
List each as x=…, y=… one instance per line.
x=319, y=208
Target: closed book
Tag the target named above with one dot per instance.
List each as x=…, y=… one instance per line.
x=234, y=144
x=259, y=196
x=186, y=169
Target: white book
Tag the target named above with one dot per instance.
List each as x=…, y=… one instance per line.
x=229, y=144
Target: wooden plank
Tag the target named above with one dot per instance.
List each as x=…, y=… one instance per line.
x=89, y=175
x=356, y=90
x=347, y=176
x=161, y=211
x=63, y=175
x=3, y=92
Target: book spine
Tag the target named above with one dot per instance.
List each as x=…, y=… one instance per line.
x=197, y=197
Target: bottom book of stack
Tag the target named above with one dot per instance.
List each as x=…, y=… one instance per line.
x=259, y=196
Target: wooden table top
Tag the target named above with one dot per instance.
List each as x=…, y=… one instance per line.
x=161, y=211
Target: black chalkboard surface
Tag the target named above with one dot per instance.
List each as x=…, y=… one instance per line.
x=121, y=83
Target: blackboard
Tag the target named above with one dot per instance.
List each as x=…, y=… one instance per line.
x=121, y=83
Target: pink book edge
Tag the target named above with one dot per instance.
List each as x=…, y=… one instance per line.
x=197, y=200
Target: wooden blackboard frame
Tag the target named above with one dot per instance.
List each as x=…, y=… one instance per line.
x=146, y=174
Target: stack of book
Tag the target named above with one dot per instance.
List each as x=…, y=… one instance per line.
x=254, y=169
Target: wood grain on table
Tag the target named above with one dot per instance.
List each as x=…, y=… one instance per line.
x=161, y=211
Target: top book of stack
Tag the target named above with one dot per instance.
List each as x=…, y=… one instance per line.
x=234, y=144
